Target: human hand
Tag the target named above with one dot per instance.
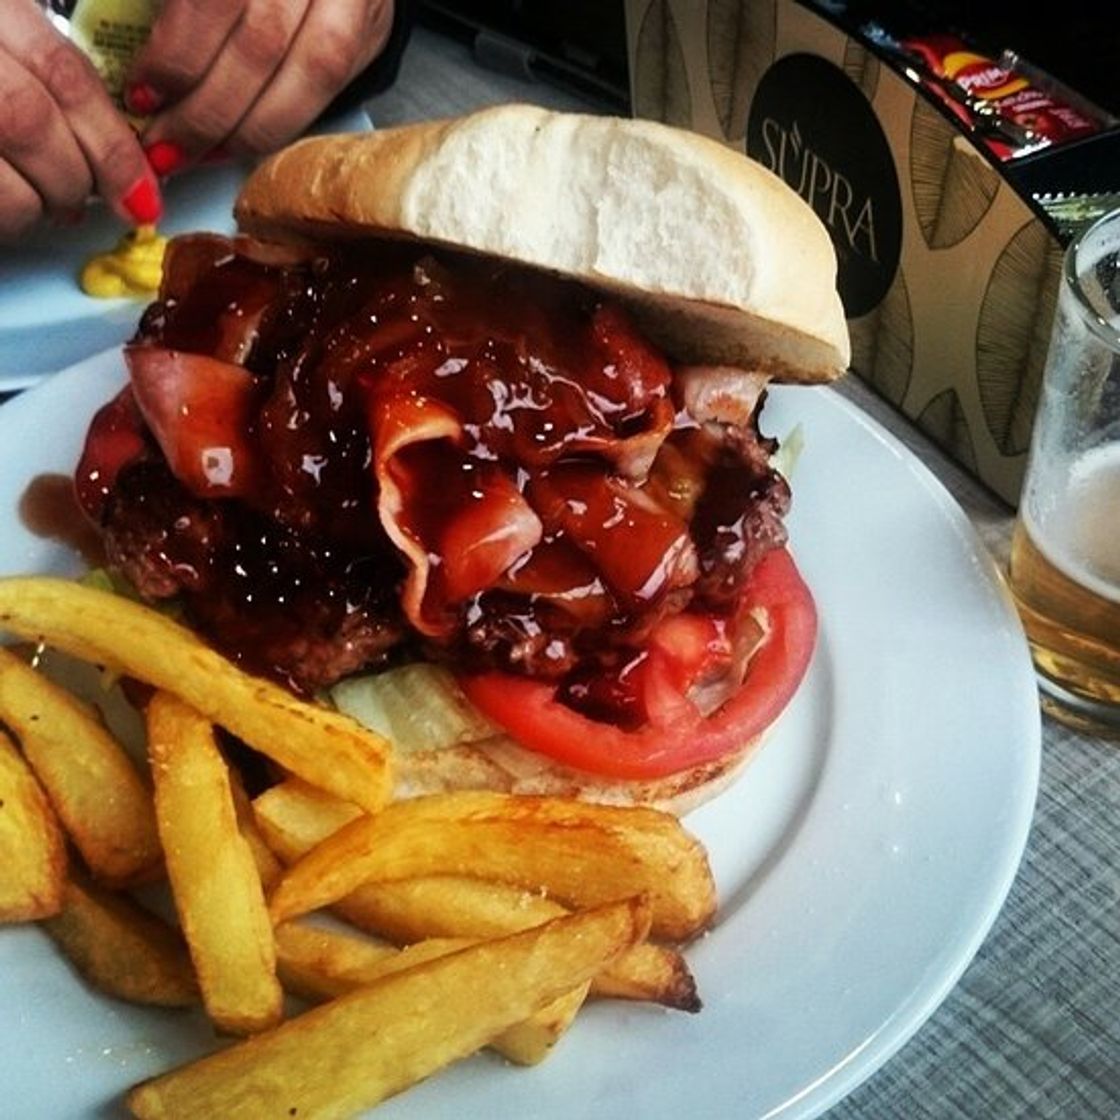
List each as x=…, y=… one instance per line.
x=247, y=75
x=61, y=137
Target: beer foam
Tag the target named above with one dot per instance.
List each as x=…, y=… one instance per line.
x=1080, y=532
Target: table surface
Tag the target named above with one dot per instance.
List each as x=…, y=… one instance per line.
x=1032, y=1029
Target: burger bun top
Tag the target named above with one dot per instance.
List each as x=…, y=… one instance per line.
x=717, y=258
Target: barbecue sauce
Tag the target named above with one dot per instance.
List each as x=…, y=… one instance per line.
x=49, y=508
x=405, y=397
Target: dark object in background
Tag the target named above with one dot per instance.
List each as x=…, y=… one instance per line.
x=382, y=71
x=1078, y=43
x=582, y=43
x=579, y=45
x=1053, y=139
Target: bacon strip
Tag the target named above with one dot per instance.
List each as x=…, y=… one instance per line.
x=642, y=550
x=721, y=393
x=201, y=412
x=459, y=523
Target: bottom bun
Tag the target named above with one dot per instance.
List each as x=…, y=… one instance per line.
x=500, y=764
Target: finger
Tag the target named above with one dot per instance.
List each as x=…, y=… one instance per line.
x=36, y=141
x=336, y=41
x=107, y=144
x=245, y=66
x=186, y=37
x=20, y=204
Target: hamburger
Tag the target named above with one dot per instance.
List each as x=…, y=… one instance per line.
x=479, y=401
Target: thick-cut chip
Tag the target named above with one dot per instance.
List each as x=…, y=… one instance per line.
x=98, y=794
x=122, y=949
x=320, y=964
x=531, y=1041
x=294, y=817
x=577, y=853
x=325, y=747
x=269, y=867
x=446, y=906
x=451, y=906
x=214, y=879
x=32, y=847
x=652, y=974
x=315, y=963
x=363, y=1047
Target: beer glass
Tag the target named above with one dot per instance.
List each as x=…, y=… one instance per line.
x=1065, y=557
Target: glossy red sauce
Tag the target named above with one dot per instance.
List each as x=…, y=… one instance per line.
x=548, y=411
x=49, y=508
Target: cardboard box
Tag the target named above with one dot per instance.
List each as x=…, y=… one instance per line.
x=947, y=273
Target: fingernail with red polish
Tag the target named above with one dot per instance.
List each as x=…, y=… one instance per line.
x=165, y=157
x=142, y=99
x=142, y=203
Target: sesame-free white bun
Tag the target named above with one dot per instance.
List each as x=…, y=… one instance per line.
x=502, y=765
x=719, y=260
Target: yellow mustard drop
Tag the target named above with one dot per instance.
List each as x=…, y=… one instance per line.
x=133, y=268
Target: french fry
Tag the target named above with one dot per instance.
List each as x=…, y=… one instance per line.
x=445, y=906
x=213, y=876
x=580, y=854
x=325, y=747
x=294, y=817
x=269, y=867
x=320, y=964
x=96, y=791
x=452, y=906
x=363, y=1047
x=651, y=974
x=122, y=949
x=32, y=847
x=531, y=1041
x=449, y=906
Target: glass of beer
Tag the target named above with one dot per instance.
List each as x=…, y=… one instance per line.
x=1065, y=557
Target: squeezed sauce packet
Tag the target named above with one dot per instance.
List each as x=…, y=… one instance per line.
x=109, y=33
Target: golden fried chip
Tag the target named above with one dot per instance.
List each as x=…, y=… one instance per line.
x=214, y=879
x=122, y=949
x=363, y=1047
x=99, y=796
x=294, y=817
x=576, y=853
x=32, y=848
x=269, y=867
x=328, y=749
x=321, y=964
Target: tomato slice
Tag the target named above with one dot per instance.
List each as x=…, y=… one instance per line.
x=683, y=737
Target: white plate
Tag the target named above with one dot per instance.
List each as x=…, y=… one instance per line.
x=861, y=859
x=47, y=322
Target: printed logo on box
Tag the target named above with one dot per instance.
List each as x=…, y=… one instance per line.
x=812, y=126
